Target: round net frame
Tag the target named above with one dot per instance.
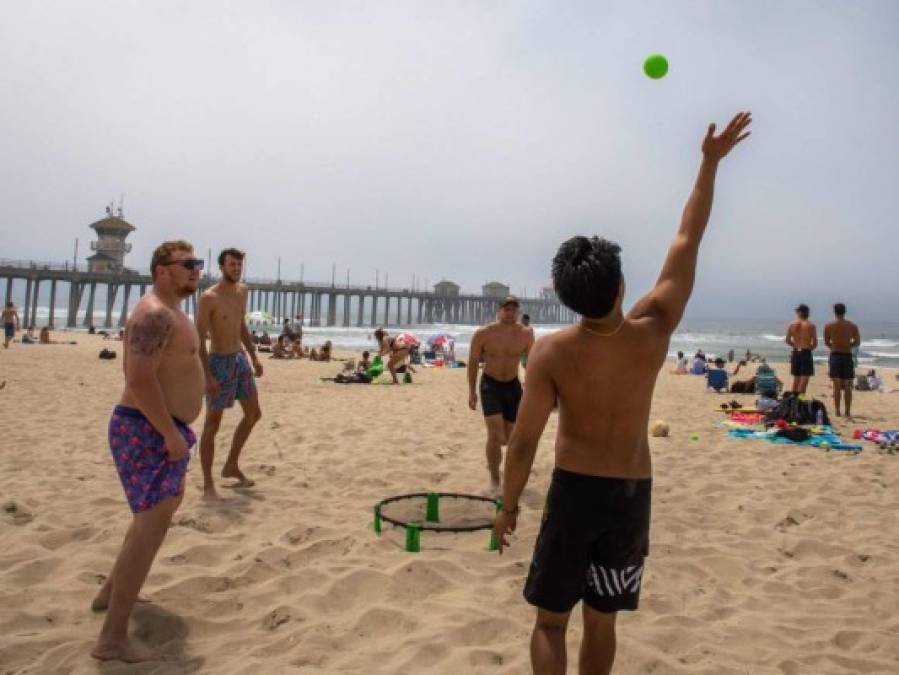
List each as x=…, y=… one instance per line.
x=405, y=510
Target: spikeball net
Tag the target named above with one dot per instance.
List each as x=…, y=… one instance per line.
x=436, y=512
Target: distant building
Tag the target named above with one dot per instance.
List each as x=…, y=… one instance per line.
x=495, y=289
x=549, y=293
x=446, y=289
x=110, y=247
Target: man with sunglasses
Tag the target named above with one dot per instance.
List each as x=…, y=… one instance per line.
x=149, y=435
x=229, y=377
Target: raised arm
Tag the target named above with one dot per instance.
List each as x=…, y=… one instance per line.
x=667, y=301
x=148, y=336
x=536, y=405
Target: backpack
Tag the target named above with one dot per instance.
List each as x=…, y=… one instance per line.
x=793, y=410
x=107, y=354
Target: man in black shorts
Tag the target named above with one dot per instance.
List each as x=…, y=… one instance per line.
x=595, y=531
x=802, y=336
x=501, y=344
x=841, y=336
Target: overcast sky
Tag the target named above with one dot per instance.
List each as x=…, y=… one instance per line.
x=463, y=140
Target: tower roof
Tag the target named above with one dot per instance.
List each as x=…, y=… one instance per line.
x=113, y=223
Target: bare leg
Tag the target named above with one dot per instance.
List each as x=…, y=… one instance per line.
x=548, y=655
x=797, y=383
x=837, y=390
x=101, y=600
x=803, y=384
x=496, y=437
x=251, y=414
x=147, y=531
x=598, y=644
x=847, y=395
x=207, y=450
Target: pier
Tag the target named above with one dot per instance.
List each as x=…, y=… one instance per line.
x=320, y=304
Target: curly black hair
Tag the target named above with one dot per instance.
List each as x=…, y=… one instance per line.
x=587, y=275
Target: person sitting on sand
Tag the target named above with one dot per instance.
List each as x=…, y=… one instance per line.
x=767, y=383
x=681, y=368
x=699, y=364
x=875, y=383
x=297, y=349
x=265, y=339
x=28, y=338
x=44, y=338
x=281, y=348
x=716, y=378
x=325, y=353
x=364, y=363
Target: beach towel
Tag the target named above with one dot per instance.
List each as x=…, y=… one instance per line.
x=822, y=436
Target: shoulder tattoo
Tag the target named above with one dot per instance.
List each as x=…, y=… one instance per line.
x=149, y=335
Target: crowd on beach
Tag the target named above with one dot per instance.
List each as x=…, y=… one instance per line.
x=842, y=338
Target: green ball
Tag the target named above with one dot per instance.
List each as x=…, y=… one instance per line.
x=655, y=66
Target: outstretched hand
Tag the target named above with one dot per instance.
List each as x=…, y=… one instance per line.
x=716, y=147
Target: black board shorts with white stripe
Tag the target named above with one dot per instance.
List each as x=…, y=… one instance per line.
x=592, y=543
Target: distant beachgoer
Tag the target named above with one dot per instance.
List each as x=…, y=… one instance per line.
x=501, y=345
x=149, y=435
x=681, y=367
x=364, y=363
x=594, y=536
x=699, y=366
x=526, y=322
x=265, y=339
x=716, y=378
x=730, y=356
x=229, y=374
x=842, y=337
x=29, y=338
x=44, y=337
x=281, y=348
x=802, y=336
x=396, y=349
x=10, y=323
x=875, y=383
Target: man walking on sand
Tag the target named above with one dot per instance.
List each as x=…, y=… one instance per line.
x=841, y=336
x=10, y=323
x=220, y=314
x=802, y=336
x=149, y=435
x=595, y=531
x=501, y=344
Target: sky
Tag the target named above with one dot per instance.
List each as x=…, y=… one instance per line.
x=463, y=140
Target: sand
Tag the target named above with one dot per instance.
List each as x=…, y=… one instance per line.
x=764, y=558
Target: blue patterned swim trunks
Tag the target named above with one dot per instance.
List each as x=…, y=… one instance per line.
x=138, y=450
x=235, y=379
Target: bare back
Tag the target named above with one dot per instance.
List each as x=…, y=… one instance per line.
x=501, y=345
x=841, y=336
x=605, y=386
x=10, y=315
x=802, y=334
x=180, y=373
x=222, y=309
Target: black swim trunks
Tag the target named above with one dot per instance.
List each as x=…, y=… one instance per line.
x=842, y=366
x=500, y=398
x=801, y=364
x=592, y=543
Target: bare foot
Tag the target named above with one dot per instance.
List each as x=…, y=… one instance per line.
x=242, y=480
x=128, y=651
x=210, y=495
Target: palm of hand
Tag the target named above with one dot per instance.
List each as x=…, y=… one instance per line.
x=718, y=146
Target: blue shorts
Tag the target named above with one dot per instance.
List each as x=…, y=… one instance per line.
x=9, y=330
x=235, y=379
x=147, y=475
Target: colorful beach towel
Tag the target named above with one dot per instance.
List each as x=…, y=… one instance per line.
x=822, y=436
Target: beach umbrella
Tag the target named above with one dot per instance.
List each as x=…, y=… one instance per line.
x=441, y=340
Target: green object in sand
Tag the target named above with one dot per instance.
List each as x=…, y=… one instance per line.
x=377, y=367
x=413, y=538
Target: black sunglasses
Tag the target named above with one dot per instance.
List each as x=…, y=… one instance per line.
x=190, y=264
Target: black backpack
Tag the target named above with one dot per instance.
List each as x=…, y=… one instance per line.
x=795, y=411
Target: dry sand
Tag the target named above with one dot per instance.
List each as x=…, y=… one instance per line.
x=765, y=559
